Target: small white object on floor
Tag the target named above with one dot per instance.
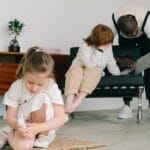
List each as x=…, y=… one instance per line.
x=125, y=113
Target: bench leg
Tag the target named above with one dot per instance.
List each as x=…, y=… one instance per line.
x=139, y=111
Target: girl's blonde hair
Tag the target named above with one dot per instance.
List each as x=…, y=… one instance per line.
x=36, y=60
x=100, y=35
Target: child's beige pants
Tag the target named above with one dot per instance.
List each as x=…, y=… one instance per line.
x=81, y=79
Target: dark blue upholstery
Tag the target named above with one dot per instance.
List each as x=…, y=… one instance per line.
x=117, y=86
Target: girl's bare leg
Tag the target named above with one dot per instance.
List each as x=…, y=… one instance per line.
x=18, y=142
x=44, y=138
x=39, y=116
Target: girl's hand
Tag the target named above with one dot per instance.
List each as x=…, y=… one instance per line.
x=21, y=130
x=32, y=129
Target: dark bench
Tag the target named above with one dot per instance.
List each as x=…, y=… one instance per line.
x=119, y=86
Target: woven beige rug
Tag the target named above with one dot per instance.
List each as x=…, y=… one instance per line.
x=66, y=143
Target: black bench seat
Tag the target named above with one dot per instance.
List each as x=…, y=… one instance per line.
x=119, y=86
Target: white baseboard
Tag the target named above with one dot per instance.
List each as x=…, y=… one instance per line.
x=108, y=104
x=100, y=104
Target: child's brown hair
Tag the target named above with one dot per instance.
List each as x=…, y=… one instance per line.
x=36, y=60
x=100, y=35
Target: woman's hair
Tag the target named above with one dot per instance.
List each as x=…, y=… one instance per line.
x=127, y=24
x=100, y=35
x=36, y=60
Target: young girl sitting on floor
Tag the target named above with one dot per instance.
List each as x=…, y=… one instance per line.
x=35, y=97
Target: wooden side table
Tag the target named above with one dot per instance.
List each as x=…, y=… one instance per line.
x=9, y=62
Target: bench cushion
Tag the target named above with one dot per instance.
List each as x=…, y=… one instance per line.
x=118, y=86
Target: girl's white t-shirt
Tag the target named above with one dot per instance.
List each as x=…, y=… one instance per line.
x=89, y=56
x=19, y=97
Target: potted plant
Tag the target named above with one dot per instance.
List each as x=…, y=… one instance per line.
x=15, y=27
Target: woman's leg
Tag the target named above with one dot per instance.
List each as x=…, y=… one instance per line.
x=127, y=100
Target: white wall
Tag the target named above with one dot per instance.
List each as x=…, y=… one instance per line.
x=55, y=23
x=59, y=24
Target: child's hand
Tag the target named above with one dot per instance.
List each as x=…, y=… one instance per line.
x=32, y=129
x=21, y=130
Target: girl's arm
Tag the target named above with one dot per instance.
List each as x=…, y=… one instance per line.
x=56, y=122
x=11, y=116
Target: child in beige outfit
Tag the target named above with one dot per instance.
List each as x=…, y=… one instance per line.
x=87, y=68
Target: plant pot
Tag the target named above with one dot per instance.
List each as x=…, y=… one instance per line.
x=14, y=46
